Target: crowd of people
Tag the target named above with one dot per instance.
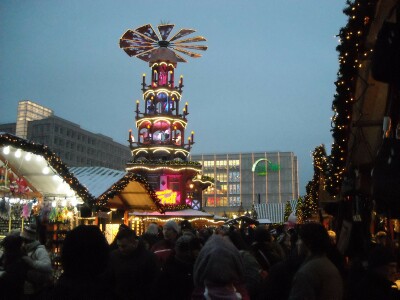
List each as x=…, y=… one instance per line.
x=176, y=261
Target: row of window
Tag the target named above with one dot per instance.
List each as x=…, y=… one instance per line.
x=82, y=160
x=223, y=201
x=66, y=144
x=221, y=163
x=75, y=135
x=224, y=189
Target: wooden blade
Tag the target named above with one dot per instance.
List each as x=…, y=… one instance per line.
x=181, y=33
x=148, y=31
x=195, y=47
x=165, y=30
x=192, y=40
x=189, y=53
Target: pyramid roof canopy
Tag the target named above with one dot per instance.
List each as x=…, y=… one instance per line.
x=118, y=189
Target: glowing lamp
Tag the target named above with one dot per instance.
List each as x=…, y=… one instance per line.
x=18, y=153
x=46, y=170
x=144, y=79
x=6, y=150
x=130, y=139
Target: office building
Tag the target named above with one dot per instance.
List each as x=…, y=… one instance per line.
x=29, y=111
x=77, y=147
x=244, y=179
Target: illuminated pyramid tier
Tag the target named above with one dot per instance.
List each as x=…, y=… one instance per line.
x=161, y=126
x=161, y=148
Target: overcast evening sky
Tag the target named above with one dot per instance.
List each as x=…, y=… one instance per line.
x=266, y=83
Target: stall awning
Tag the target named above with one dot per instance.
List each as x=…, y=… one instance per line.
x=43, y=170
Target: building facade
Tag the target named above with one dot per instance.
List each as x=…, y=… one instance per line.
x=29, y=111
x=244, y=179
x=77, y=147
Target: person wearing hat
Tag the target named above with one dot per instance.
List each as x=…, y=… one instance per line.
x=37, y=258
x=151, y=236
x=165, y=248
x=218, y=271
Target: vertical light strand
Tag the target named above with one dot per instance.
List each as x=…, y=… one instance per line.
x=298, y=179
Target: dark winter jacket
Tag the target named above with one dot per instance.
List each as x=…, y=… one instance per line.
x=133, y=276
x=68, y=288
x=176, y=280
x=375, y=287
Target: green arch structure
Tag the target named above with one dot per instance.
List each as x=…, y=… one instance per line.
x=269, y=166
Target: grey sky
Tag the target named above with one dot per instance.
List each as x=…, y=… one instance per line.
x=266, y=83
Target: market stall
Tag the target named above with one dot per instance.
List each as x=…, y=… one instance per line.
x=36, y=187
x=117, y=193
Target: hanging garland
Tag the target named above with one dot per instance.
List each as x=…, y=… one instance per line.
x=120, y=186
x=147, y=162
x=174, y=207
x=55, y=162
x=52, y=159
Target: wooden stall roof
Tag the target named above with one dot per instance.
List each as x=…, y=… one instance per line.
x=118, y=189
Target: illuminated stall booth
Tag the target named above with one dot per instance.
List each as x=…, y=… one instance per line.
x=36, y=187
x=160, y=151
x=117, y=194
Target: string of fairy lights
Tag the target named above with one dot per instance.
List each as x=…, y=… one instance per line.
x=55, y=162
x=52, y=160
x=122, y=183
x=353, y=53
